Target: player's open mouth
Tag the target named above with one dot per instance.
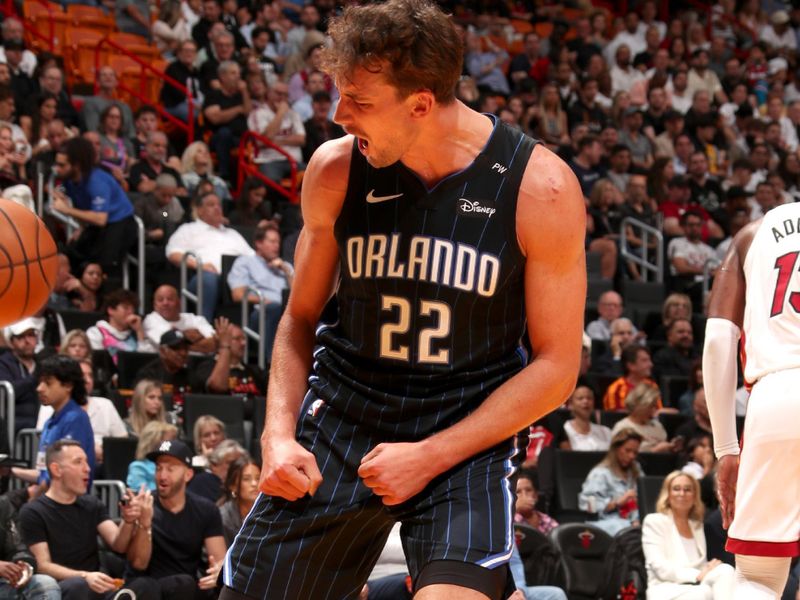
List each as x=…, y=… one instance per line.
x=362, y=145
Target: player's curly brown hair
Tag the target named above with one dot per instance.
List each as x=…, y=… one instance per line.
x=415, y=38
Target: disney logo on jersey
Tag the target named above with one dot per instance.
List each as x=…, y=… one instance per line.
x=475, y=208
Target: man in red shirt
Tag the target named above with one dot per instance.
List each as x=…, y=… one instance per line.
x=637, y=367
x=678, y=202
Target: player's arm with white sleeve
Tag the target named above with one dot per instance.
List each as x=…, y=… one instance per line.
x=723, y=330
x=551, y=226
x=288, y=470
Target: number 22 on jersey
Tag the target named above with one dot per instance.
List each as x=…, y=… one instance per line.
x=394, y=349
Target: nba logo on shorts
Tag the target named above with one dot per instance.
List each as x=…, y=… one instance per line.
x=314, y=408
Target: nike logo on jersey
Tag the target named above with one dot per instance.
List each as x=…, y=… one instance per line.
x=373, y=199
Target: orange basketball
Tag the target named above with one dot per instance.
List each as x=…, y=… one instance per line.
x=28, y=262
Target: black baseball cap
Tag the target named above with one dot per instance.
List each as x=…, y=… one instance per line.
x=173, y=339
x=174, y=448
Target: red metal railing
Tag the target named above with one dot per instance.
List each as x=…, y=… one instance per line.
x=8, y=9
x=247, y=168
x=187, y=126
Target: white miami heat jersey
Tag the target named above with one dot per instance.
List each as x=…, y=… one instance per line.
x=772, y=309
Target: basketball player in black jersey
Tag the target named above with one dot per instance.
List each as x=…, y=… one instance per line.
x=445, y=237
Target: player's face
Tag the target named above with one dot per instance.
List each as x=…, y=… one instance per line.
x=248, y=486
x=681, y=495
x=73, y=470
x=526, y=497
x=171, y=477
x=371, y=109
x=53, y=392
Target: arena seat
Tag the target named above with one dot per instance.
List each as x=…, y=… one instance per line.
x=91, y=17
x=118, y=453
x=79, y=50
x=571, y=469
x=658, y=463
x=647, y=489
x=672, y=388
x=609, y=418
x=79, y=319
x=39, y=15
x=584, y=551
x=671, y=422
x=228, y=409
x=128, y=366
x=110, y=493
x=542, y=561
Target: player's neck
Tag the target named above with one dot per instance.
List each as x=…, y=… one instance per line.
x=454, y=126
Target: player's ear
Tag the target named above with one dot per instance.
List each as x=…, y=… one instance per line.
x=421, y=103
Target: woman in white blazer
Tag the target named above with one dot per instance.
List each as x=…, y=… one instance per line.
x=675, y=547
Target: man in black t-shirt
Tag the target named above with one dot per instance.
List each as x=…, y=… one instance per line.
x=152, y=163
x=183, y=525
x=61, y=530
x=226, y=111
x=225, y=373
x=170, y=367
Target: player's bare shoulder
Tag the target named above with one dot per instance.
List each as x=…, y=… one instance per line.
x=325, y=179
x=550, y=203
x=740, y=245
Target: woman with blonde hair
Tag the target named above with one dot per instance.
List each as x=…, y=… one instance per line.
x=676, y=306
x=147, y=405
x=674, y=546
x=552, y=118
x=143, y=471
x=75, y=344
x=642, y=404
x=609, y=490
x=207, y=434
x=196, y=166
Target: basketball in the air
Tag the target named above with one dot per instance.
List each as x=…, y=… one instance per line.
x=28, y=262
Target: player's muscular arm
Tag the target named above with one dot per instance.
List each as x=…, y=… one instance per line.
x=725, y=319
x=289, y=470
x=551, y=228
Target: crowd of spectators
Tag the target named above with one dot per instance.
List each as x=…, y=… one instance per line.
x=686, y=122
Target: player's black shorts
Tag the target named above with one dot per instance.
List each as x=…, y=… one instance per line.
x=325, y=547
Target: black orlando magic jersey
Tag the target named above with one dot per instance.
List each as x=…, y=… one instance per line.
x=431, y=304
